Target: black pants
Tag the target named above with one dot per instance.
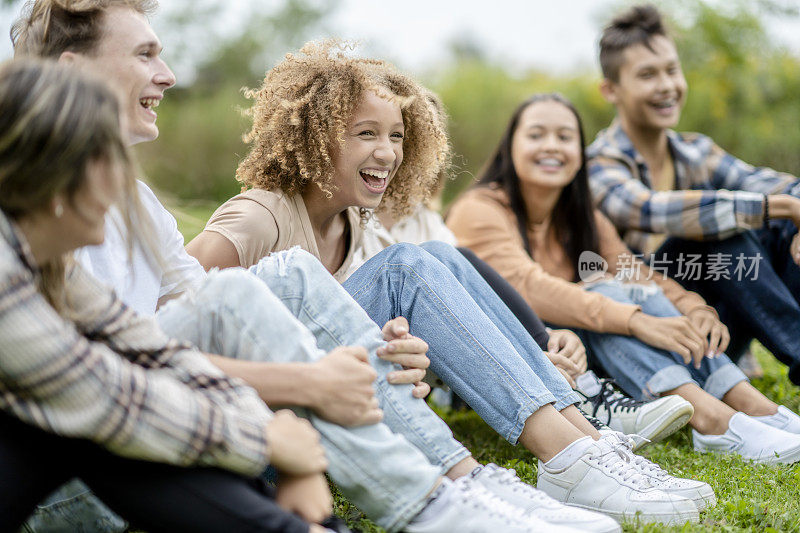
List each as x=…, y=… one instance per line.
x=152, y=496
x=762, y=303
x=509, y=295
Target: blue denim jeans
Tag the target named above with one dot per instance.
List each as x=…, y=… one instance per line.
x=477, y=346
x=288, y=308
x=767, y=307
x=642, y=370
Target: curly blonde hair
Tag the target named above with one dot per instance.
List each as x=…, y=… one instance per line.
x=302, y=109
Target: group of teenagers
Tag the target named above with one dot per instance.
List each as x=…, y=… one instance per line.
x=211, y=387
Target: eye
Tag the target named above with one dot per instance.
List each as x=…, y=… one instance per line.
x=398, y=136
x=369, y=133
x=566, y=137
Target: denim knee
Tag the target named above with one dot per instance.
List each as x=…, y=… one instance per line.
x=230, y=284
x=440, y=249
x=294, y=266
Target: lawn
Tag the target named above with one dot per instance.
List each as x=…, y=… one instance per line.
x=751, y=497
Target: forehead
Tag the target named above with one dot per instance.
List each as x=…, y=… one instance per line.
x=124, y=28
x=640, y=56
x=375, y=107
x=548, y=113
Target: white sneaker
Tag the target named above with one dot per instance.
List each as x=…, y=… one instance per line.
x=505, y=484
x=470, y=508
x=603, y=479
x=653, y=420
x=784, y=419
x=699, y=492
x=752, y=440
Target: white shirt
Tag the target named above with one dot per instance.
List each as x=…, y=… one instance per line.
x=136, y=281
x=422, y=225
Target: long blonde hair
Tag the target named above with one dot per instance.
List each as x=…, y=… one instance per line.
x=54, y=121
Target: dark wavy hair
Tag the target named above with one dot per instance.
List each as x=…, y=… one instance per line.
x=573, y=216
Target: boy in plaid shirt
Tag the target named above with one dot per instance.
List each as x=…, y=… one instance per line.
x=719, y=226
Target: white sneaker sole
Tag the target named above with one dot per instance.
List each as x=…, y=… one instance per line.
x=665, y=425
x=788, y=458
x=670, y=519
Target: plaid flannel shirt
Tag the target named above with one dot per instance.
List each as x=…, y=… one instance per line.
x=111, y=376
x=716, y=195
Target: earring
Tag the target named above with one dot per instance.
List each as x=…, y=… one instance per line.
x=59, y=210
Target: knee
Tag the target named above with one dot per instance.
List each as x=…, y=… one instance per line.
x=229, y=285
x=294, y=263
x=438, y=248
x=406, y=252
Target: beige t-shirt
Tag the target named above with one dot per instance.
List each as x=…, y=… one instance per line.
x=259, y=222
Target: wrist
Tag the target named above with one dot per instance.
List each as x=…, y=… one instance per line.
x=783, y=206
x=309, y=383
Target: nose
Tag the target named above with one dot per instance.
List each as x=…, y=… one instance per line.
x=384, y=152
x=550, y=142
x=665, y=82
x=163, y=75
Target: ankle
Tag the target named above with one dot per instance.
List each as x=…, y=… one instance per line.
x=715, y=423
x=462, y=468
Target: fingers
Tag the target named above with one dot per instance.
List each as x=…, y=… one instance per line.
x=421, y=390
x=725, y=338
x=563, y=363
x=396, y=328
x=409, y=345
x=713, y=341
x=567, y=377
x=359, y=352
x=408, y=360
x=373, y=416
x=410, y=375
x=794, y=249
x=553, y=343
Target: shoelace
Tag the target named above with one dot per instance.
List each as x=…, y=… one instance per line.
x=508, y=476
x=478, y=497
x=619, y=464
x=612, y=400
x=644, y=465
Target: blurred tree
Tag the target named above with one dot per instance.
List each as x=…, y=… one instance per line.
x=201, y=126
x=742, y=89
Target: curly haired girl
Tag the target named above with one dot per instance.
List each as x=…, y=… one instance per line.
x=335, y=136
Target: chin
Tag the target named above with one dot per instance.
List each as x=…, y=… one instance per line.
x=143, y=135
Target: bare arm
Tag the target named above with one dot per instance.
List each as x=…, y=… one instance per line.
x=338, y=387
x=278, y=384
x=213, y=250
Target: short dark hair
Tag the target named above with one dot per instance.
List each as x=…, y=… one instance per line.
x=638, y=25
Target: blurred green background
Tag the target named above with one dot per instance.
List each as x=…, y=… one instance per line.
x=744, y=89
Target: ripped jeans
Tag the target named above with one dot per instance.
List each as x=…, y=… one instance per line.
x=288, y=308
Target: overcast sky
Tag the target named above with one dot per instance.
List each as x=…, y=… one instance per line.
x=553, y=35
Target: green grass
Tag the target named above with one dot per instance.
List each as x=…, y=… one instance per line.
x=751, y=497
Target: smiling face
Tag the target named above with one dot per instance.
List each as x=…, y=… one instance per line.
x=546, y=145
x=651, y=89
x=371, y=154
x=128, y=56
